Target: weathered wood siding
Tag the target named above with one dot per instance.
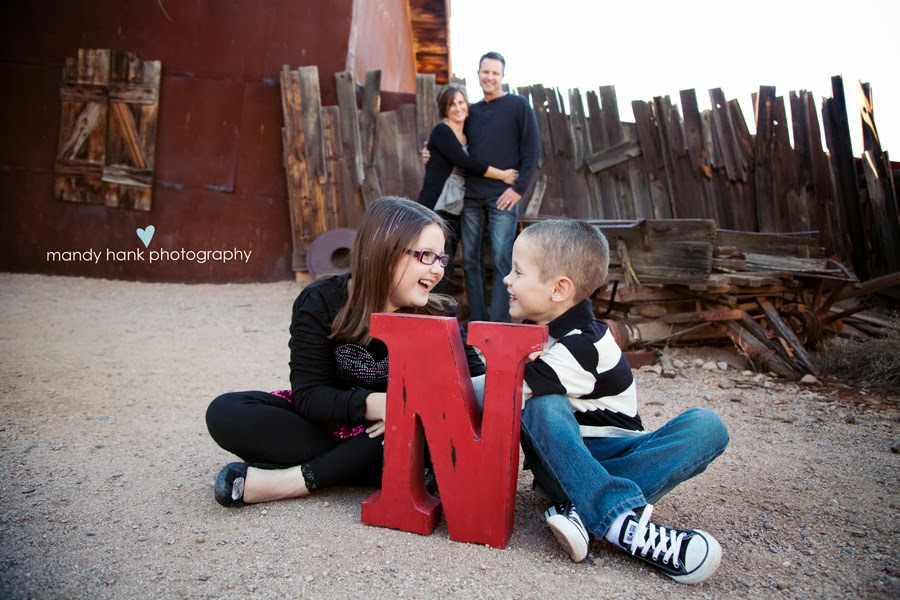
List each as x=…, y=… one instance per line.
x=673, y=162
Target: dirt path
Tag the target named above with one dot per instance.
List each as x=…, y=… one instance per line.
x=108, y=470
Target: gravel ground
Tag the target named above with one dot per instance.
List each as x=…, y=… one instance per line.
x=108, y=471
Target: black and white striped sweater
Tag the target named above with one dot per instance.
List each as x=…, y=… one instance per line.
x=584, y=363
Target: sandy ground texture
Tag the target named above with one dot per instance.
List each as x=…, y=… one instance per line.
x=108, y=471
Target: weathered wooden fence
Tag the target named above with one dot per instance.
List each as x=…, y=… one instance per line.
x=670, y=163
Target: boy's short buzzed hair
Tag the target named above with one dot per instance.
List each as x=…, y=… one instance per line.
x=572, y=248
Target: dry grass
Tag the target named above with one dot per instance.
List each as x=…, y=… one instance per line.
x=867, y=362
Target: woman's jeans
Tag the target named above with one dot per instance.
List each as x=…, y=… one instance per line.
x=604, y=477
x=481, y=216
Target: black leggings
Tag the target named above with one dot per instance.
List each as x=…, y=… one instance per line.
x=263, y=428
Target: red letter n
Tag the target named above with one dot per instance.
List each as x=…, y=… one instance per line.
x=430, y=396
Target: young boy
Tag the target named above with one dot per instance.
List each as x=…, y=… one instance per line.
x=581, y=432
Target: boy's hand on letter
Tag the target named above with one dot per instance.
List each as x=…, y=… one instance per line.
x=536, y=355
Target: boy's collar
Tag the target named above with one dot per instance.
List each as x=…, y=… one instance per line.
x=573, y=318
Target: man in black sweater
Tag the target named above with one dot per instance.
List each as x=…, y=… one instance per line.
x=502, y=131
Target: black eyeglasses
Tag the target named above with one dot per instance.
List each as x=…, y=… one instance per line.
x=427, y=257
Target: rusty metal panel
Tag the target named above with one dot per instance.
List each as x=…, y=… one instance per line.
x=29, y=127
x=304, y=34
x=47, y=31
x=199, y=127
x=204, y=38
x=28, y=214
x=260, y=169
x=33, y=222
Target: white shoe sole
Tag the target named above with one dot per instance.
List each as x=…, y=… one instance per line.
x=708, y=567
x=569, y=537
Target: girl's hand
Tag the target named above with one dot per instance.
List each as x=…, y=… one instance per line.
x=375, y=429
x=376, y=406
x=510, y=176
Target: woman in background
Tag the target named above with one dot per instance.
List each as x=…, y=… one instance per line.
x=443, y=188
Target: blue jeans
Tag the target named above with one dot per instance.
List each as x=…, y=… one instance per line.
x=481, y=215
x=604, y=477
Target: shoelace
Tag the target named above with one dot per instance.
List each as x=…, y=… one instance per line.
x=659, y=540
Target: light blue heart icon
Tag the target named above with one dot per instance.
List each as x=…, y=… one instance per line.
x=146, y=234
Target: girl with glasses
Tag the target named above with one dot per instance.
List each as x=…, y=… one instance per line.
x=327, y=429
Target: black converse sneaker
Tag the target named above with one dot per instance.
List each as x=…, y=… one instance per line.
x=566, y=525
x=685, y=555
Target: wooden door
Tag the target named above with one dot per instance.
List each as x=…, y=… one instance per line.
x=107, y=137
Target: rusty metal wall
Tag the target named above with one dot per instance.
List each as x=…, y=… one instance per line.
x=218, y=181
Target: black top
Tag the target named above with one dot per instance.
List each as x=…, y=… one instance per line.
x=330, y=380
x=446, y=152
x=503, y=133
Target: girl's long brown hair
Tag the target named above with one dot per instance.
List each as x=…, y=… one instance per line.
x=390, y=226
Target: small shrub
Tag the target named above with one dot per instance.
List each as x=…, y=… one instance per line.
x=868, y=362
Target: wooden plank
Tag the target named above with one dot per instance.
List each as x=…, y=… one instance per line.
x=82, y=131
x=790, y=264
x=539, y=102
x=798, y=245
x=764, y=177
x=704, y=206
x=884, y=235
x=596, y=129
x=784, y=330
x=295, y=168
x=581, y=138
x=537, y=197
x=580, y=201
x=312, y=122
x=742, y=198
x=367, y=125
x=703, y=316
x=426, y=107
x=562, y=195
x=349, y=118
x=601, y=184
x=805, y=157
x=412, y=170
x=614, y=155
x=87, y=67
x=675, y=250
x=824, y=206
x=124, y=125
x=124, y=175
x=837, y=138
x=336, y=167
x=754, y=341
x=882, y=194
x=637, y=178
x=651, y=158
x=735, y=162
x=560, y=134
x=678, y=166
x=793, y=213
x=90, y=122
x=388, y=154
x=616, y=135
